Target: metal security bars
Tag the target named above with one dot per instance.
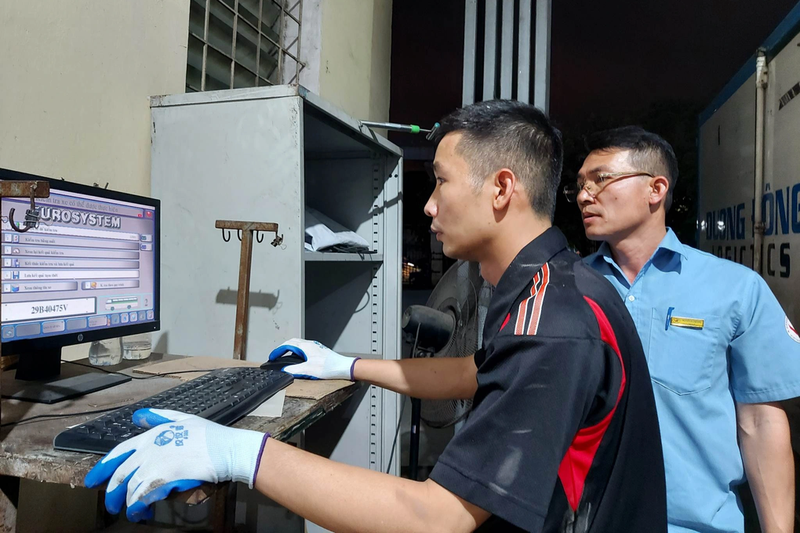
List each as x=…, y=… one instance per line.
x=505, y=31
x=243, y=43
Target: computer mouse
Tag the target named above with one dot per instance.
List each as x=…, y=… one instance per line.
x=290, y=358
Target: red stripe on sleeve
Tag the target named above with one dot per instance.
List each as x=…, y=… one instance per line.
x=508, y=317
x=522, y=313
x=578, y=459
x=533, y=326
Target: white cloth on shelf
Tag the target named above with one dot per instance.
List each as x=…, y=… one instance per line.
x=325, y=234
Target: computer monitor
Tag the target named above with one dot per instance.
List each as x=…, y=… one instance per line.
x=89, y=271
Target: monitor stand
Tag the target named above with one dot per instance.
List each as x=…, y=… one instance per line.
x=38, y=379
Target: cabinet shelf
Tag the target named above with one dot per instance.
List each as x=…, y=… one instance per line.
x=286, y=150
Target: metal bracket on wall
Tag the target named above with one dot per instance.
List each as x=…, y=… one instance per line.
x=31, y=215
x=244, y=231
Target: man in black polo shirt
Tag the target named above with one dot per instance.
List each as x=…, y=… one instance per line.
x=563, y=435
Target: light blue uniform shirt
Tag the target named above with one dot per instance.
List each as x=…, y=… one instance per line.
x=746, y=351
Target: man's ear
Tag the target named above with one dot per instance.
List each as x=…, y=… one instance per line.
x=659, y=186
x=504, y=185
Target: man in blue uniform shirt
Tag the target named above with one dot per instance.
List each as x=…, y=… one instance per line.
x=720, y=349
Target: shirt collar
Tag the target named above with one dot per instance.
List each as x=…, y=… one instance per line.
x=530, y=259
x=518, y=276
x=670, y=243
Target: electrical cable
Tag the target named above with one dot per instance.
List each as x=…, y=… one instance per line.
x=62, y=415
x=43, y=418
x=192, y=371
x=396, y=432
x=402, y=407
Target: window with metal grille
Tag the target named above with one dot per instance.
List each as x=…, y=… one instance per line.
x=243, y=43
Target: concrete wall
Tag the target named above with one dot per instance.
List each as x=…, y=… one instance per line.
x=75, y=80
x=355, y=56
x=76, y=76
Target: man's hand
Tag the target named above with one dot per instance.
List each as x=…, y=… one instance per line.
x=320, y=361
x=146, y=468
x=179, y=453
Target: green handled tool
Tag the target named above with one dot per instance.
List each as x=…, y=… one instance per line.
x=408, y=128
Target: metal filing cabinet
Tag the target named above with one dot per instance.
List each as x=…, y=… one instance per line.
x=262, y=155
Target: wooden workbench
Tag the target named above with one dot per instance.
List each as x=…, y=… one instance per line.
x=26, y=450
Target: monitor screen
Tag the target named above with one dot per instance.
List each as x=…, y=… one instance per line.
x=88, y=271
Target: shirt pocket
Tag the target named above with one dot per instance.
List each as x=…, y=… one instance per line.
x=681, y=359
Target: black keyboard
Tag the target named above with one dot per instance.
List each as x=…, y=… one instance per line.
x=223, y=396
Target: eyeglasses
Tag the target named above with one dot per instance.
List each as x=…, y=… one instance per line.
x=596, y=186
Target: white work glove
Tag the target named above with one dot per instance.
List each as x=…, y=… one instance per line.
x=320, y=361
x=179, y=453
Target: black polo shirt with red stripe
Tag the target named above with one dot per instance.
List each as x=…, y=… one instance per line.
x=563, y=434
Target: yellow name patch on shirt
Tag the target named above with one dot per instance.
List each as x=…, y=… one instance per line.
x=682, y=322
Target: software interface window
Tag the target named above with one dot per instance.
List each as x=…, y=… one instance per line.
x=89, y=264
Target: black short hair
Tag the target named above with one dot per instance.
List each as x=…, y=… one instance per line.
x=648, y=152
x=509, y=134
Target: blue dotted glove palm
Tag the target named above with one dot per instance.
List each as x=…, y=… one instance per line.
x=179, y=452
